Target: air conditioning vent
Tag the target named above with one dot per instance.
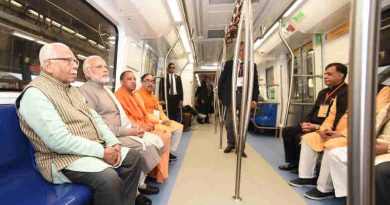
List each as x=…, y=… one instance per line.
x=216, y=33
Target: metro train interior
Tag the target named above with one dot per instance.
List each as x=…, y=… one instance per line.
x=292, y=43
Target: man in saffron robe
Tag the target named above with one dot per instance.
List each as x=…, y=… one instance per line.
x=135, y=112
x=156, y=114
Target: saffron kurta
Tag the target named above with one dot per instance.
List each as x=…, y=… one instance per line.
x=156, y=115
x=137, y=114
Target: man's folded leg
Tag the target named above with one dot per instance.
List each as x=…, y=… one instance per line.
x=108, y=187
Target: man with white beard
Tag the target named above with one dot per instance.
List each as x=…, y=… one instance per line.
x=104, y=102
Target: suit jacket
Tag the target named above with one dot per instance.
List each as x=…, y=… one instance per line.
x=179, y=87
x=225, y=84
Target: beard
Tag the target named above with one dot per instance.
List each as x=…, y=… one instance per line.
x=103, y=80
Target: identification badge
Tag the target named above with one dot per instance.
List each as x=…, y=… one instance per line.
x=240, y=81
x=323, y=110
x=156, y=113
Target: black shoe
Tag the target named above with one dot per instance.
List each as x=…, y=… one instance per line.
x=149, y=190
x=172, y=157
x=288, y=166
x=316, y=194
x=200, y=121
x=142, y=200
x=229, y=149
x=311, y=182
x=294, y=171
x=244, y=155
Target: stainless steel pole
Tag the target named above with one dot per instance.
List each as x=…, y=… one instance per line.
x=239, y=144
x=249, y=78
x=165, y=71
x=363, y=58
x=291, y=76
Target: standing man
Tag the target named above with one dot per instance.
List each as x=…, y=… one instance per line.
x=224, y=94
x=204, y=97
x=334, y=76
x=175, y=92
x=71, y=141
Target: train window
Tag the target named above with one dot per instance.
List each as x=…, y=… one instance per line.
x=26, y=25
x=303, y=85
x=384, y=48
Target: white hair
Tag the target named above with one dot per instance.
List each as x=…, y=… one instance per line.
x=87, y=61
x=47, y=51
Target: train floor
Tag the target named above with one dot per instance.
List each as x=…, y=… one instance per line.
x=204, y=175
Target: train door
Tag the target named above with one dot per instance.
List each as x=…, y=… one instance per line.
x=304, y=83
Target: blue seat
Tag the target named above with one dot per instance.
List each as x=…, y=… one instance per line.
x=20, y=182
x=267, y=115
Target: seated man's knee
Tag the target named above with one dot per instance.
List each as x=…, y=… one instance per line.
x=108, y=180
x=382, y=171
x=133, y=156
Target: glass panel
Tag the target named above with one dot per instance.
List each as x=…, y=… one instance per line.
x=270, y=80
x=25, y=27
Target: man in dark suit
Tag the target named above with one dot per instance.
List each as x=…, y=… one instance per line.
x=224, y=94
x=175, y=92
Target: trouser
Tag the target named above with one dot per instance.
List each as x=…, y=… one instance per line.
x=382, y=183
x=231, y=139
x=173, y=107
x=109, y=187
x=291, y=141
x=150, y=157
x=338, y=170
x=307, y=162
x=175, y=139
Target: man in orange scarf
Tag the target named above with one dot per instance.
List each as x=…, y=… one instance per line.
x=137, y=114
x=155, y=113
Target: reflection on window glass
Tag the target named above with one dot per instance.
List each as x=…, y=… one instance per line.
x=25, y=26
x=270, y=82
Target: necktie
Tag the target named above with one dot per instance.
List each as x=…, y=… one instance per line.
x=240, y=72
x=171, y=84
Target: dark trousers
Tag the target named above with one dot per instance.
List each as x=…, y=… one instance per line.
x=231, y=139
x=173, y=106
x=382, y=183
x=291, y=141
x=109, y=187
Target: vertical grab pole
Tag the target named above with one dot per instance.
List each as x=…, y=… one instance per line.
x=363, y=57
x=244, y=14
x=234, y=77
x=249, y=78
x=291, y=78
x=165, y=71
x=221, y=107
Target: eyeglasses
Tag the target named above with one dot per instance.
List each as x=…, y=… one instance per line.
x=149, y=81
x=70, y=60
x=173, y=67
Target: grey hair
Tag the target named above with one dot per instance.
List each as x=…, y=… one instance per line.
x=47, y=51
x=87, y=61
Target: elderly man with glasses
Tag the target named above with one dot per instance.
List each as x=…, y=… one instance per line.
x=71, y=141
x=155, y=113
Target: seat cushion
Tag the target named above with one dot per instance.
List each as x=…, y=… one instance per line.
x=20, y=182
